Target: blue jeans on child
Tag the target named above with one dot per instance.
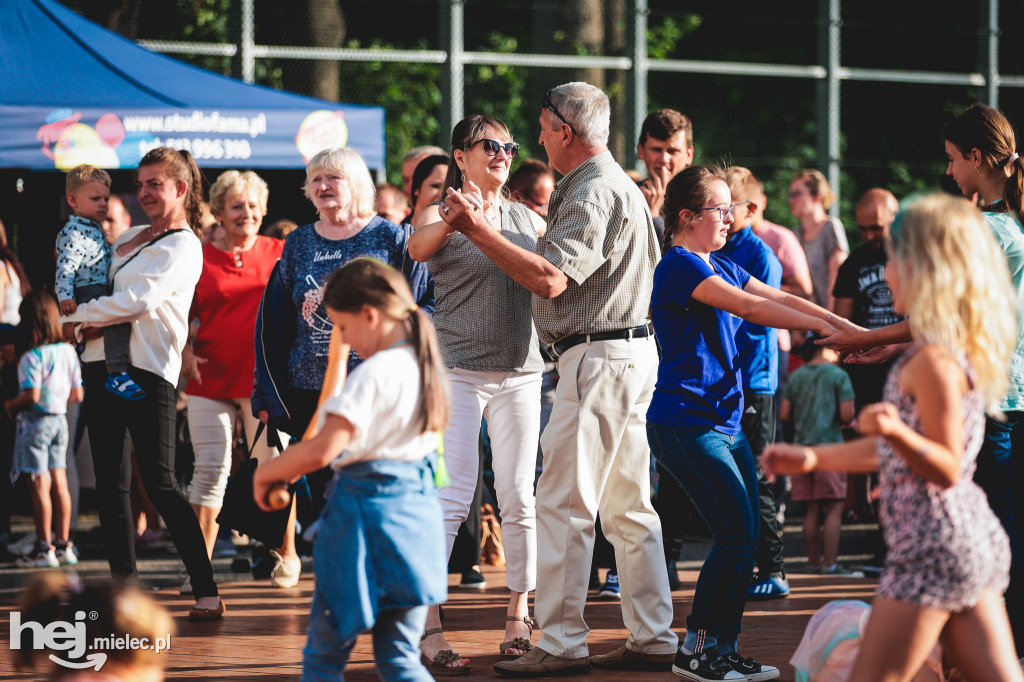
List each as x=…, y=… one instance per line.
x=379, y=560
x=717, y=471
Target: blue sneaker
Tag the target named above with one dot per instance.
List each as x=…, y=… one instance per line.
x=610, y=589
x=775, y=586
x=122, y=386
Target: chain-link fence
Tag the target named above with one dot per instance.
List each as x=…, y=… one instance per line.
x=859, y=89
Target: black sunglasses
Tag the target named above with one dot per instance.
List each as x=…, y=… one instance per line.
x=492, y=147
x=548, y=105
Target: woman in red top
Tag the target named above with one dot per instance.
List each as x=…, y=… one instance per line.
x=220, y=360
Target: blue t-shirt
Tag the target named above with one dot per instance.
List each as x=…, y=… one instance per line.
x=306, y=261
x=699, y=373
x=758, y=346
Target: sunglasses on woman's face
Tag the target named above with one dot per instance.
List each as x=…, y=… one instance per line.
x=492, y=147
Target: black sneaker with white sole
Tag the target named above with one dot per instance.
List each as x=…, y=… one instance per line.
x=751, y=669
x=706, y=666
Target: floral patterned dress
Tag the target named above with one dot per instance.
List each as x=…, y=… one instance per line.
x=945, y=544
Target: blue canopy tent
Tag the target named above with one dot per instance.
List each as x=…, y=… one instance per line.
x=73, y=92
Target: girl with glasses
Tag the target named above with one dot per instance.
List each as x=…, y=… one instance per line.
x=693, y=424
x=489, y=344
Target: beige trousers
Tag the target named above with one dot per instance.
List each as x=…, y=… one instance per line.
x=596, y=459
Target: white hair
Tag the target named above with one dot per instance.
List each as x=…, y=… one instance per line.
x=351, y=165
x=586, y=109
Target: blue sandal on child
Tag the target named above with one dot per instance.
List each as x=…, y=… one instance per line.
x=123, y=386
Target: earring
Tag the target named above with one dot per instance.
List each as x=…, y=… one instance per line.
x=977, y=169
x=463, y=177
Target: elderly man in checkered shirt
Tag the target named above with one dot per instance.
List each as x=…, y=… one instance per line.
x=591, y=277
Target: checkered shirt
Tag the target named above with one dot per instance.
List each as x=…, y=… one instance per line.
x=600, y=234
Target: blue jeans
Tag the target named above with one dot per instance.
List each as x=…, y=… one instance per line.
x=396, y=636
x=379, y=561
x=1002, y=479
x=718, y=473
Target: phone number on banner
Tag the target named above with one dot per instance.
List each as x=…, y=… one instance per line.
x=209, y=148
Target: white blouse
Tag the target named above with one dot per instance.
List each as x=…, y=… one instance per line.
x=153, y=292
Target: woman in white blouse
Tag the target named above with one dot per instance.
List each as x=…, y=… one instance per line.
x=154, y=270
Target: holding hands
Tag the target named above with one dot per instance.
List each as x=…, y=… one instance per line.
x=463, y=209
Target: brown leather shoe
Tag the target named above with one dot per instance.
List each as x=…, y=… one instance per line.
x=198, y=615
x=627, y=659
x=539, y=663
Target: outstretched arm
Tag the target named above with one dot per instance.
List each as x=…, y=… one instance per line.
x=847, y=341
x=717, y=293
x=856, y=456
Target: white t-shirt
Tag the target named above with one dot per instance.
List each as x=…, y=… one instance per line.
x=382, y=401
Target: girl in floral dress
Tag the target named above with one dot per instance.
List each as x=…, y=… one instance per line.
x=949, y=557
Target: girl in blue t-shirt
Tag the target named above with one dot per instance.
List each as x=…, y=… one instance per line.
x=699, y=300
x=379, y=556
x=49, y=377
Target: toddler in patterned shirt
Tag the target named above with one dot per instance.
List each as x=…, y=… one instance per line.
x=83, y=268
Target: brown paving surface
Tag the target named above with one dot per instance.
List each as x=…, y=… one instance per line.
x=262, y=634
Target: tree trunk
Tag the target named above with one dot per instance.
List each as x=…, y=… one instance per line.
x=586, y=21
x=615, y=82
x=326, y=26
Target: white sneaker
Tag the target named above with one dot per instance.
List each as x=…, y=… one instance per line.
x=67, y=555
x=285, y=572
x=40, y=559
x=23, y=546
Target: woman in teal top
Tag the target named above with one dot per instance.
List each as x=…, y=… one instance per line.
x=983, y=159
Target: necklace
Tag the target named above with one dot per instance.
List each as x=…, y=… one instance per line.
x=166, y=229
x=494, y=214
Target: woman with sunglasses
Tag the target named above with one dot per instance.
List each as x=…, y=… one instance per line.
x=693, y=424
x=489, y=344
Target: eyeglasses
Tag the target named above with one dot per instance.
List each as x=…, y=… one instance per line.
x=723, y=210
x=492, y=147
x=548, y=105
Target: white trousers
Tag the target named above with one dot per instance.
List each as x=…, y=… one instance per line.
x=596, y=459
x=511, y=403
x=210, y=423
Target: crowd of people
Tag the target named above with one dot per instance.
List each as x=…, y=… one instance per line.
x=595, y=326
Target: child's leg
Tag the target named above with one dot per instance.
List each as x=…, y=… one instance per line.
x=116, y=339
x=325, y=656
x=396, y=637
x=896, y=643
x=42, y=512
x=980, y=642
x=812, y=539
x=832, y=528
x=61, y=503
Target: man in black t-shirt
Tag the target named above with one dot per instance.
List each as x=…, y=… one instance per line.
x=861, y=292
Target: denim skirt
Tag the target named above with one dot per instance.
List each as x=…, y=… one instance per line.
x=381, y=544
